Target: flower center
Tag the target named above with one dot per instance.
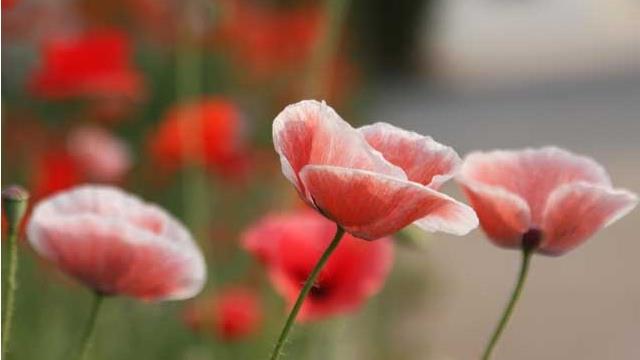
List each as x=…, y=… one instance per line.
x=531, y=239
x=319, y=291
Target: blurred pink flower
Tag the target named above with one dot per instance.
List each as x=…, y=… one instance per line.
x=548, y=197
x=116, y=244
x=101, y=155
x=372, y=181
x=290, y=245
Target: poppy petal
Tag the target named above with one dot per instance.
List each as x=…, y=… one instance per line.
x=370, y=205
x=532, y=174
x=423, y=159
x=503, y=215
x=575, y=211
x=311, y=132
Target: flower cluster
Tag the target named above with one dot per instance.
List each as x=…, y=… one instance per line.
x=184, y=103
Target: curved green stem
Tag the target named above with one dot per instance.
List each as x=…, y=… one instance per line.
x=304, y=292
x=508, y=311
x=11, y=285
x=87, y=337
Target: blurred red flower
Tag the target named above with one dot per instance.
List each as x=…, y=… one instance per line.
x=95, y=64
x=268, y=40
x=116, y=244
x=53, y=171
x=290, y=245
x=8, y=4
x=209, y=132
x=233, y=314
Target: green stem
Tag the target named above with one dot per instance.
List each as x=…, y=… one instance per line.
x=87, y=337
x=11, y=285
x=304, y=292
x=323, y=54
x=508, y=311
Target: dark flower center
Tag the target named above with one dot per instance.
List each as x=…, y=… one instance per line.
x=531, y=239
x=319, y=291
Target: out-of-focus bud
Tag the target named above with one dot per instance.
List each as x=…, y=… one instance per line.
x=14, y=202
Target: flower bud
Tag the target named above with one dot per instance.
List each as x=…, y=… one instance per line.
x=14, y=202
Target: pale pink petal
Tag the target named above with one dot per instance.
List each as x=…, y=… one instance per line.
x=532, y=174
x=117, y=244
x=311, y=132
x=371, y=205
x=504, y=216
x=423, y=159
x=576, y=211
x=100, y=154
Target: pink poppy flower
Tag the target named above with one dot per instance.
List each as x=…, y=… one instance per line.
x=101, y=155
x=372, y=181
x=290, y=245
x=548, y=198
x=116, y=244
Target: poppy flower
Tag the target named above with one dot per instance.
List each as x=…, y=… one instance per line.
x=100, y=155
x=116, y=244
x=290, y=245
x=549, y=198
x=278, y=39
x=54, y=170
x=209, y=131
x=232, y=314
x=95, y=64
x=372, y=181
x=91, y=154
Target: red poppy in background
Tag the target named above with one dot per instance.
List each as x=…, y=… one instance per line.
x=209, y=132
x=269, y=40
x=290, y=245
x=53, y=171
x=232, y=314
x=95, y=64
x=549, y=197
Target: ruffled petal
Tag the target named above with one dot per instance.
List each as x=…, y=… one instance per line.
x=423, y=159
x=576, y=211
x=370, y=205
x=504, y=216
x=532, y=174
x=311, y=132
